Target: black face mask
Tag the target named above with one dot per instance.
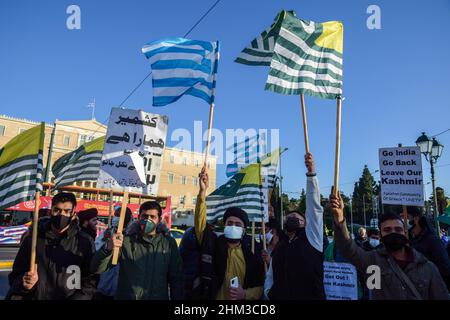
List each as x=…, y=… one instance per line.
x=59, y=222
x=292, y=224
x=394, y=241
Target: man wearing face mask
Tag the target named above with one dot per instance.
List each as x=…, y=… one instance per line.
x=424, y=239
x=297, y=263
x=61, y=246
x=232, y=256
x=405, y=273
x=149, y=261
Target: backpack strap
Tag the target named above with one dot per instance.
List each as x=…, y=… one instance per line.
x=404, y=278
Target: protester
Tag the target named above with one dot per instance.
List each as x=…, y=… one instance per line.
x=373, y=240
x=361, y=237
x=88, y=222
x=232, y=255
x=273, y=236
x=61, y=246
x=107, y=286
x=424, y=239
x=297, y=263
x=405, y=273
x=150, y=265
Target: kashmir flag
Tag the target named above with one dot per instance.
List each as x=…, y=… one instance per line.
x=306, y=56
x=79, y=165
x=269, y=168
x=182, y=66
x=243, y=190
x=21, y=167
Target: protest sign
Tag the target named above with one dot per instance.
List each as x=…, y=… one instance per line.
x=133, y=151
x=401, y=176
x=340, y=281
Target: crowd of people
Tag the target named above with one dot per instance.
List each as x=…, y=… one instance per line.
x=73, y=263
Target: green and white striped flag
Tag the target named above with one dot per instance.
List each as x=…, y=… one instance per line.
x=306, y=57
x=243, y=190
x=79, y=165
x=260, y=50
x=21, y=167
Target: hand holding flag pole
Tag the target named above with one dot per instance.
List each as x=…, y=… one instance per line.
x=123, y=209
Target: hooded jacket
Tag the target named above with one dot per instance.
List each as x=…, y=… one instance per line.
x=58, y=260
x=148, y=266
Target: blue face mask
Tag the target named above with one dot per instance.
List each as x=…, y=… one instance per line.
x=233, y=232
x=147, y=226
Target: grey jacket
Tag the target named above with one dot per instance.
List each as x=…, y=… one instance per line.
x=422, y=273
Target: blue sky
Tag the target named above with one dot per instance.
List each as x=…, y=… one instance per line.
x=396, y=80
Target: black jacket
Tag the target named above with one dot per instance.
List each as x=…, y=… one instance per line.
x=254, y=265
x=54, y=257
x=297, y=270
x=433, y=249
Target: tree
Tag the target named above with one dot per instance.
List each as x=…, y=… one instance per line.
x=363, y=192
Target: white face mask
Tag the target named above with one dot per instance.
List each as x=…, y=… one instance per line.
x=233, y=232
x=374, y=242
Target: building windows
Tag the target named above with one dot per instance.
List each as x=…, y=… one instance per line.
x=172, y=158
x=209, y=165
x=195, y=181
x=66, y=140
x=183, y=179
x=194, y=200
x=170, y=178
x=2, y=130
x=197, y=163
x=182, y=199
x=184, y=161
x=85, y=138
x=22, y=130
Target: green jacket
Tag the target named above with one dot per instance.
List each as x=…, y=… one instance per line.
x=147, y=267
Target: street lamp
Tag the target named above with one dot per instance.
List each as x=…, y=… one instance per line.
x=432, y=150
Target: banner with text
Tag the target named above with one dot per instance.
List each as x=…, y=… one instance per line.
x=134, y=147
x=401, y=176
x=340, y=281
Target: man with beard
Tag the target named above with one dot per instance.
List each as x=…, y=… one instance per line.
x=405, y=273
x=231, y=255
x=88, y=222
x=63, y=256
x=297, y=263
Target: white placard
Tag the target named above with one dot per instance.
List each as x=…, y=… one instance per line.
x=134, y=147
x=401, y=176
x=340, y=281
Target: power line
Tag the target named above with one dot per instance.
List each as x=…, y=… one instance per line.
x=440, y=133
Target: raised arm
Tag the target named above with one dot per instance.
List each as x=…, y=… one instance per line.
x=357, y=256
x=200, y=207
x=314, y=211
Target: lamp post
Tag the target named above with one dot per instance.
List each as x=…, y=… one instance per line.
x=432, y=150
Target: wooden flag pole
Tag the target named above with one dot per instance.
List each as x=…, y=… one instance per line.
x=35, y=231
x=253, y=236
x=305, y=124
x=405, y=220
x=111, y=194
x=263, y=227
x=338, y=148
x=123, y=209
x=208, y=141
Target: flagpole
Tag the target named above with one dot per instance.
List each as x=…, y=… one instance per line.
x=338, y=147
x=35, y=231
x=253, y=236
x=123, y=209
x=263, y=227
x=208, y=141
x=305, y=125
x=111, y=194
